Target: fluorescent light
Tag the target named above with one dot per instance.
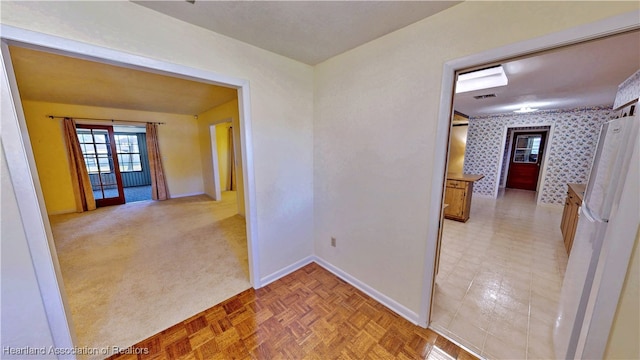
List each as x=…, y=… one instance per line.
x=481, y=79
x=525, y=109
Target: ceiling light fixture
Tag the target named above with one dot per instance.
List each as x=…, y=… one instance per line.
x=481, y=79
x=525, y=109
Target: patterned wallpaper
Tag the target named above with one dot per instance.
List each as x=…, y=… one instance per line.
x=569, y=152
x=628, y=90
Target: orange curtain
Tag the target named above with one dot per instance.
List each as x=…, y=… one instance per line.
x=79, y=175
x=231, y=177
x=158, y=180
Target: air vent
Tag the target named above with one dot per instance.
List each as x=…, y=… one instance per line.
x=480, y=97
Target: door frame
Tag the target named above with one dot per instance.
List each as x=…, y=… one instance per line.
x=116, y=166
x=214, y=162
x=543, y=166
x=606, y=27
x=24, y=176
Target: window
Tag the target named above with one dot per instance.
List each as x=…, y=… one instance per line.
x=128, y=152
x=527, y=148
x=95, y=149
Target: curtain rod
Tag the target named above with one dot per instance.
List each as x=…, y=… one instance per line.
x=96, y=119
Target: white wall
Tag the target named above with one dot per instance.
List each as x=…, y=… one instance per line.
x=24, y=322
x=281, y=102
x=376, y=110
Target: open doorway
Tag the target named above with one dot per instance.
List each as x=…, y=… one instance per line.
x=523, y=161
x=63, y=323
x=117, y=162
x=498, y=273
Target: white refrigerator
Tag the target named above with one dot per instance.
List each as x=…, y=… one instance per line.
x=607, y=228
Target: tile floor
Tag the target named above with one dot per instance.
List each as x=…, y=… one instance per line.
x=500, y=277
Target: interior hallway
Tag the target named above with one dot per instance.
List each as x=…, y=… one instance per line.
x=500, y=277
x=308, y=314
x=133, y=270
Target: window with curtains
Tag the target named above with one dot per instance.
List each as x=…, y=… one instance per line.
x=128, y=151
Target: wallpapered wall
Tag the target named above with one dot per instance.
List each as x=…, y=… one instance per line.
x=628, y=90
x=570, y=150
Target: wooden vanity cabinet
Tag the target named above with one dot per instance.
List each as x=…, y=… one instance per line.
x=570, y=215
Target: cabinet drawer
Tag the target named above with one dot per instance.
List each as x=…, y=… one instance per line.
x=456, y=184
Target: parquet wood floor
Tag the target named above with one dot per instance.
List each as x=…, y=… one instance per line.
x=309, y=314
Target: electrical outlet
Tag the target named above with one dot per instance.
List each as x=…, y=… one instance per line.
x=333, y=241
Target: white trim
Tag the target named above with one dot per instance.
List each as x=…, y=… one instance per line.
x=609, y=26
x=22, y=164
x=373, y=293
x=287, y=270
x=186, y=195
x=217, y=193
x=545, y=161
x=383, y=299
x=250, y=207
x=503, y=142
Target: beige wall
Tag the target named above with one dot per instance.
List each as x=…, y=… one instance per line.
x=281, y=93
x=376, y=110
x=227, y=111
x=351, y=140
x=178, y=140
x=24, y=321
x=625, y=331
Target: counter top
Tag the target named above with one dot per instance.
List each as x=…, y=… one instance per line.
x=578, y=189
x=464, y=177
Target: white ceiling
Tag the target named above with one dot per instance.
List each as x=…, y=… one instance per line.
x=581, y=75
x=48, y=77
x=307, y=31
x=576, y=76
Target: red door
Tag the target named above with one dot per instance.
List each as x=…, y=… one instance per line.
x=524, y=165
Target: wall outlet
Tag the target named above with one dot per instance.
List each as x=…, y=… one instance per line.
x=333, y=241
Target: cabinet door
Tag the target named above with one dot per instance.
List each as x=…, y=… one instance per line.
x=565, y=217
x=455, y=198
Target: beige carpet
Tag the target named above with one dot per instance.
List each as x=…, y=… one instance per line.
x=131, y=271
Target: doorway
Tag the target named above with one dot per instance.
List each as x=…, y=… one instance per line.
x=117, y=163
x=29, y=197
x=525, y=160
x=444, y=130
x=100, y=157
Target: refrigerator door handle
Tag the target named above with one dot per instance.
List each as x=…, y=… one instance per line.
x=587, y=214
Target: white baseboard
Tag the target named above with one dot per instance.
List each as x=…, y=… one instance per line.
x=375, y=294
x=285, y=271
x=185, y=195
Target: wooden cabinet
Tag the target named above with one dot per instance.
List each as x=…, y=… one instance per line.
x=457, y=196
x=570, y=214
